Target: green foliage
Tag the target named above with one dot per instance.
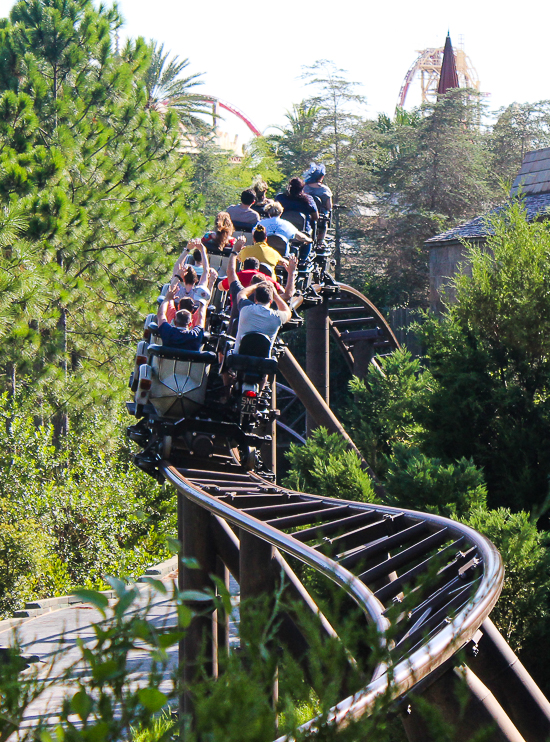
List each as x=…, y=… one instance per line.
x=415, y=481
x=105, y=698
x=166, y=88
x=73, y=514
x=523, y=607
x=419, y=193
x=489, y=358
x=300, y=140
x=387, y=406
x=324, y=466
x=519, y=128
x=101, y=181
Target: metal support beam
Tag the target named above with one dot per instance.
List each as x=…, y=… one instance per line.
x=269, y=450
x=316, y=405
x=497, y=666
x=481, y=711
x=317, y=353
x=196, y=648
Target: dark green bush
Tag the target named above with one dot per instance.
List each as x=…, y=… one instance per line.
x=414, y=480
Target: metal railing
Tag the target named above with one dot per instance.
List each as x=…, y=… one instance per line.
x=425, y=656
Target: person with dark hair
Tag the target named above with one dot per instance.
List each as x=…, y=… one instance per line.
x=294, y=199
x=242, y=215
x=256, y=315
x=250, y=268
x=221, y=237
x=182, y=335
x=262, y=251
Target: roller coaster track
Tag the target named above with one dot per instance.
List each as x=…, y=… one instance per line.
x=361, y=334
x=426, y=583
x=353, y=319
x=423, y=586
x=379, y=555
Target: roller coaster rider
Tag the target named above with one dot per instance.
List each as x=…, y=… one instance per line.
x=267, y=255
x=262, y=203
x=256, y=315
x=322, y=195
x=242, y=215
x=220, y=238
x=294, y=200
x=181, y=335
x=280, y=231
x=189, y=284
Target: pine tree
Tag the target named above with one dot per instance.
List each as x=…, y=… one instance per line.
x=102, y=182
x=338, y=104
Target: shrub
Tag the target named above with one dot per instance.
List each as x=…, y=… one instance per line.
x=324, y=466
x=73, y=514
x=416, y=481
x=523, y=606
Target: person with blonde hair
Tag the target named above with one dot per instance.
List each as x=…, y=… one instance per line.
x=277, y=227
x=259, y=187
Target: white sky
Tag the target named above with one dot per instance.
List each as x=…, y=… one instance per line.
x=252, y=53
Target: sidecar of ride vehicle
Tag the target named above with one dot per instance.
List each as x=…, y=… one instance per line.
x=172, y=380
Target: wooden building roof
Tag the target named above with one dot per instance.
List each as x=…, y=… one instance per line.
x=534, y=176
x=532, y=185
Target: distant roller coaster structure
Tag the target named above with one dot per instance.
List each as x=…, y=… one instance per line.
x=218, y=103
x=427, y=67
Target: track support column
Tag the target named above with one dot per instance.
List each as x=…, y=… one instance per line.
x=194, y=533
x=257, y=569
x=363, y=352
x=317, y=353
x=269, y=450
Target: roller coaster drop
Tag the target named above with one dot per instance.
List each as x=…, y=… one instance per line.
x=221, y=457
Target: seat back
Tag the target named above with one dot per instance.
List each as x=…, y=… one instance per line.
x=296, y=218
x=255, y=344
x=278, y=243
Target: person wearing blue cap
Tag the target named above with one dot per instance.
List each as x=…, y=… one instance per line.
x=315, y=187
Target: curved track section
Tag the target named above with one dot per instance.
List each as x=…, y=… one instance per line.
x=353, y=319
x=381, y=556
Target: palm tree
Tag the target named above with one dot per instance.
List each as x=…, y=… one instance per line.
x=300, y=140
x=165, y=88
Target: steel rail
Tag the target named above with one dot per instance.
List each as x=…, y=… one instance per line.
x=431, y=655
x=356, y=589
x=392, y=680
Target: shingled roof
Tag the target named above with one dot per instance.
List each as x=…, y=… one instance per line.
x=534, y=176
x=479, y=228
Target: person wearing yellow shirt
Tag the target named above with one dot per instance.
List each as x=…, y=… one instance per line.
x=262, y=251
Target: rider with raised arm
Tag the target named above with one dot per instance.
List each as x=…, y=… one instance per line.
x=181, y=335
x=256, y=315
x=190, y=285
